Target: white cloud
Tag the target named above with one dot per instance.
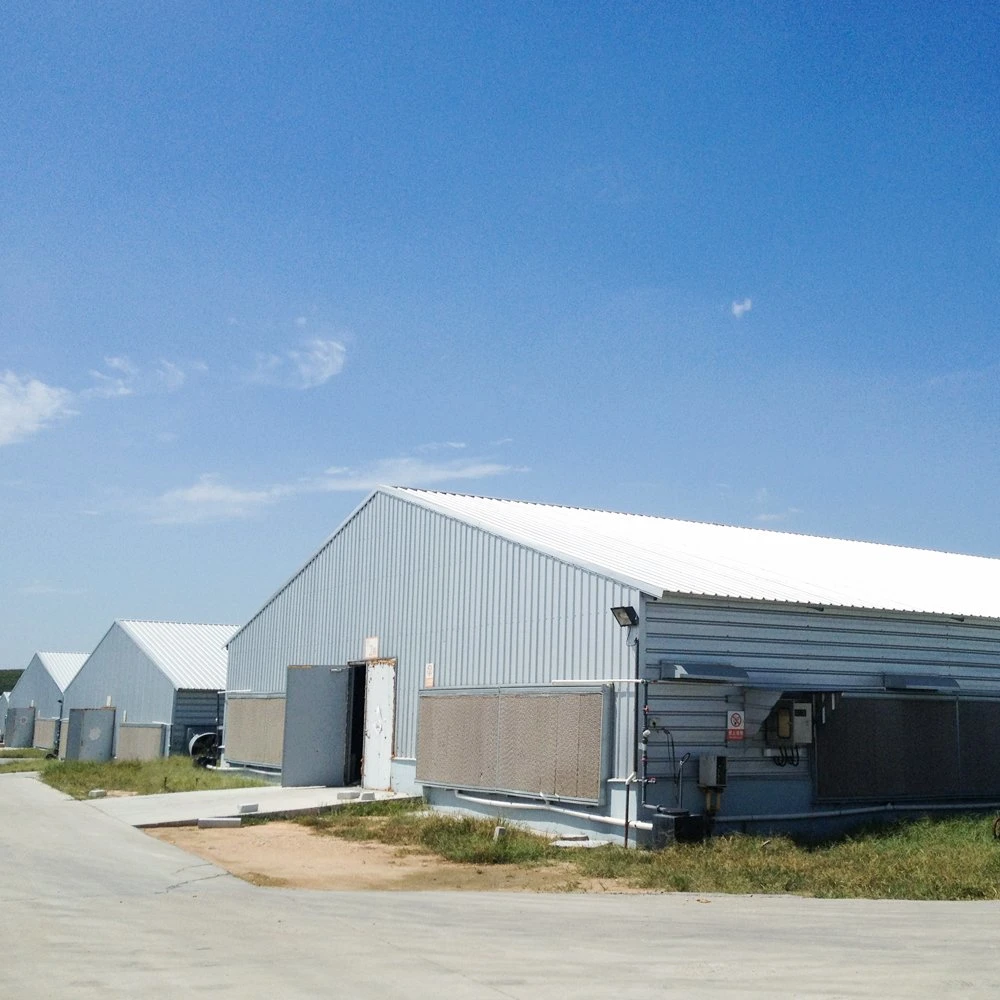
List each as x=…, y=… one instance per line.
x=28, y=405
x=172, y=376
x=441, y=446
x=39, y=589
x=321, y=360
x=739, y=308
x=773, y=518
x=120, y=383
x=313, y=365
x=406, y=471
x=211, y=500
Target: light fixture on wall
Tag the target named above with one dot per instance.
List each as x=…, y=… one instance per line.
x=626, y=617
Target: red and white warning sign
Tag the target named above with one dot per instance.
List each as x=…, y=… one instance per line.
x=735, y=726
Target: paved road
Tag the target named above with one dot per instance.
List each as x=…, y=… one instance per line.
x=92, y=908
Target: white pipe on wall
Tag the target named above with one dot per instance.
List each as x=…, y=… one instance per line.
x=535, y=807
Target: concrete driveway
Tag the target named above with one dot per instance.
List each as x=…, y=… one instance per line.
x=93, y=908
x=177, y=808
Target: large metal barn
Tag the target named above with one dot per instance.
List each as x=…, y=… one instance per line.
x=621, y=674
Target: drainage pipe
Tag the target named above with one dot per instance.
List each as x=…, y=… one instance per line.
x=535, y=807
x=860, y=811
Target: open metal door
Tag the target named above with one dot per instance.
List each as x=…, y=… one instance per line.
x=380, y=717
x=317, y=705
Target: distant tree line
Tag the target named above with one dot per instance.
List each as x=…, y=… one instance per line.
x=8, y=678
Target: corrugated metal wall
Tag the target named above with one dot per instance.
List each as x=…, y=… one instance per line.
x=787, y=648
x=120, y=669
x=193, y=708
x=483, y=610
x=36, y=687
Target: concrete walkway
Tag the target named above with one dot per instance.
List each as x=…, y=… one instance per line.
x=183, y=808
x=94, y=909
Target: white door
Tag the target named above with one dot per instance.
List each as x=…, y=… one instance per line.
x=380, y=707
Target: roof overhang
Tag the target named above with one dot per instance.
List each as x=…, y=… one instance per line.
x=933, y=683
x=713, y=672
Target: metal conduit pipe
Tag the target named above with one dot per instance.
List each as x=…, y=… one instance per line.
x=859, y=811
x=535, y=807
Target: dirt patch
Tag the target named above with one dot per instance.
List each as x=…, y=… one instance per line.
x=285, y=854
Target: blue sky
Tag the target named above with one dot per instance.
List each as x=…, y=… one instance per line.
x=719, y=261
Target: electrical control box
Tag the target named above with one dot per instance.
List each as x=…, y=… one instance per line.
x=802, y=722
x=789, y=724
x=712, y=770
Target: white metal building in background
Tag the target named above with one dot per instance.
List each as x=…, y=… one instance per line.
x=161, y=681
x=762, y=678
x=37, y=697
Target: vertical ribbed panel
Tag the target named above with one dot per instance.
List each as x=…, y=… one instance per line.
x=484, y=610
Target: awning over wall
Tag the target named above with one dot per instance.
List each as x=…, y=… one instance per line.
x=920, y=682
x=716, y=672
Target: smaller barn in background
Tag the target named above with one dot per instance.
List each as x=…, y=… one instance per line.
x=33, y=710
x=145, y=689
x=4, y=705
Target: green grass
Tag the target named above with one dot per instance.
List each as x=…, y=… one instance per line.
x=404, y=823
x=172, y=774
x=15, y=766
x=30, y=752
x=954, y=858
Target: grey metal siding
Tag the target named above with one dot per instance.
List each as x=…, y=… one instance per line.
x=119, y=669
x=36, y=687
x=193, y=708
x=787, y=648
x=483, y=610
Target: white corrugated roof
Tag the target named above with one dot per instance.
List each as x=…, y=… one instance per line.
x=192, y=656
x=660, y=555
x=62, y=667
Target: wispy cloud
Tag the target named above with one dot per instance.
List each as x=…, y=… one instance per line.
x=209, y=499
x=775, y=517
x=441, y=446
x=763, y=499
x=118, y=380
x=409, y=471
x=212, y=500
x=171, y=376
x=316, y=362
x=964, y=378
x=39, y=589
x=28, y=405
x=739, y=308
x=319, y=361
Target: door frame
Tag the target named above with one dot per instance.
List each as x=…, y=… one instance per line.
x=387, y=740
